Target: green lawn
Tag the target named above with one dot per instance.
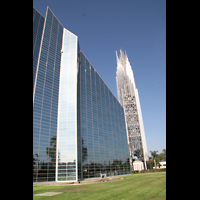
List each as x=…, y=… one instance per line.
x=135, y=186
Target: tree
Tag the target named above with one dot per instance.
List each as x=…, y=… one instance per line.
x=84, y=151
x=154, y=155
x=51, y=151
x=151, y=162
x=163, y=155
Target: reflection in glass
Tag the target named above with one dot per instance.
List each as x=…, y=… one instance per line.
x=67, y=125
x=45, y=95
x=78, y=124
x=104, y=147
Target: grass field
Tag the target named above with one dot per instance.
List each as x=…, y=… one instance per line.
x=135, y=186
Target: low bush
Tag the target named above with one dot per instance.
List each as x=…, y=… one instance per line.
x=149, y=170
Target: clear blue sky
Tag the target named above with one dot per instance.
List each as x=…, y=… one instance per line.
x=137, y=26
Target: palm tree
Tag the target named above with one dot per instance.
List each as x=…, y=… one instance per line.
x=162, y=155
x=154, y=155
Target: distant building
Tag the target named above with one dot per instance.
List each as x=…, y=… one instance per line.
x=138, y=165
x=79, y=128
x=163, y=164
x=129, y=99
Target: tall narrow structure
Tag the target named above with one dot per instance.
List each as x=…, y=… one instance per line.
x=129, y=99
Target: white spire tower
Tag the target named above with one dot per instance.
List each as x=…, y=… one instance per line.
x=129, y=99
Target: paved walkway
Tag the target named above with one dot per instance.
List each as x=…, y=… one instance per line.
x=87, y=181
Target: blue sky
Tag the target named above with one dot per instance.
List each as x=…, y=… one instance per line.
x=137, y=26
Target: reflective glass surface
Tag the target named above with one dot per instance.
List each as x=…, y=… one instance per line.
x=102, y=140
x=67, y=113
x=73, y=100
x=45, y=105
x=38, y=23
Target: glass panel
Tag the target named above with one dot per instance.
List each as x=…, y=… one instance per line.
x=45, y=105
x=104, y=146
x=67, y=125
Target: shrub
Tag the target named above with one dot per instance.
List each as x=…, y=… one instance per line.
x=149, y=170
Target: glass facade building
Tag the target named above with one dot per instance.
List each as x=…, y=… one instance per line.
x=45, y=100
x=102, y=144
x=38, y=23
x=67, y=115
x=79, y=127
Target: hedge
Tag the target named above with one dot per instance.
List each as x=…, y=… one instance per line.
x=149, y=170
